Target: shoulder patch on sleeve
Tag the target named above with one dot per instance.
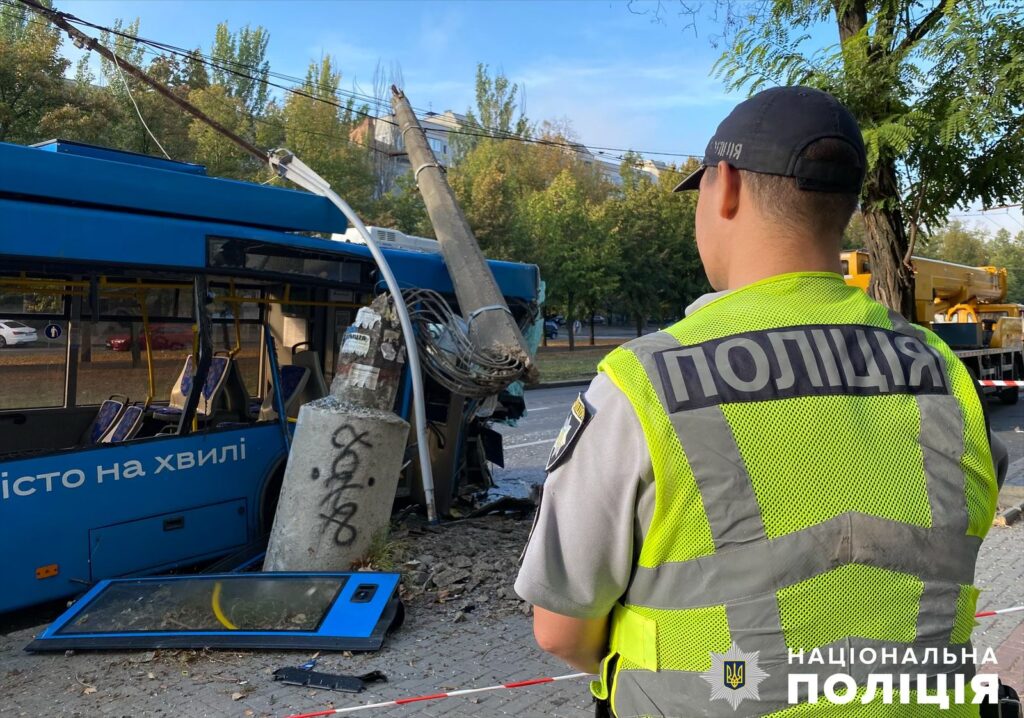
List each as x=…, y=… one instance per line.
x=579, y=414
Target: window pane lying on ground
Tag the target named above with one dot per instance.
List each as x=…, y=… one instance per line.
x=352, y=611
x=253, y=604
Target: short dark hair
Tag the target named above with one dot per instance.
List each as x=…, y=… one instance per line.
x=823, y=213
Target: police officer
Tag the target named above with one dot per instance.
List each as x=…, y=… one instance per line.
x=791, y=468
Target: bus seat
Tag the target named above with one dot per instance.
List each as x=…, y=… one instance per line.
x=293, y=380
x=212, y=388
x=127, y=427
x=316, y=387
x=110, y=411
x=182, y=386
x=234, y=404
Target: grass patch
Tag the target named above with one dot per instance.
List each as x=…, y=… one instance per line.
x=384, y=552
x=560, y=364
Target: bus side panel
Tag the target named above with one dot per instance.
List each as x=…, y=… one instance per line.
x=50, y=504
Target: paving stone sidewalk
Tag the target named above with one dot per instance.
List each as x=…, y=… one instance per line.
x=430, y=654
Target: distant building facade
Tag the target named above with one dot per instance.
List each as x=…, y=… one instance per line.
x=392, y=160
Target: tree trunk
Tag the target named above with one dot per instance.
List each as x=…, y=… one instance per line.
x=591, y=329
x=133, y=337
x=86, y=346
x=639, y=324
x=892, y=283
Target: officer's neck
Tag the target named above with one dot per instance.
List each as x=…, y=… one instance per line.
x=771, y=254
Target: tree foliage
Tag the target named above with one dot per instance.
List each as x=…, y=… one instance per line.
x=499, y=111
x=317, y=128
x=31, y=73
x=574, y=253
x=937, y=88
x=659, y=270
x=241, y=65
x=603, y=246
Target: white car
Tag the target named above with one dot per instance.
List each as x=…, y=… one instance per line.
x=12, y=332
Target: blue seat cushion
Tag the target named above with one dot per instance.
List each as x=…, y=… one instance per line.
x=167, y=410
x=187, y=376
x=126, y=427
x=108, y=412
x=291, y=375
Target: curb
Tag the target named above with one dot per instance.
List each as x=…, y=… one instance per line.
x=561, y=384
x=1010, y=516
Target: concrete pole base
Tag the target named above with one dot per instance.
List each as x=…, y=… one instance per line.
x=339, y=486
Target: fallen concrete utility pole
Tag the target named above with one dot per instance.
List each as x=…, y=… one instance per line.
x=491, y=325
x=343, y=467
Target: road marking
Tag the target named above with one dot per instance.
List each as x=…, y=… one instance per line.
x=540, y=408
x=529, y=443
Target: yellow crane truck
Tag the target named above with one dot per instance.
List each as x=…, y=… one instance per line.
x=967, y=308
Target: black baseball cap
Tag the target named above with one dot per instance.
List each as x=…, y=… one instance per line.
x=769, y=132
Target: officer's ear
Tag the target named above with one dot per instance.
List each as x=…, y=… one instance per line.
x=727, y=190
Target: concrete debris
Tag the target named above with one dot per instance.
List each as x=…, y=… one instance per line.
x=468, y=567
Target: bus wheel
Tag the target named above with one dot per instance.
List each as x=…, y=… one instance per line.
x=1009, y=396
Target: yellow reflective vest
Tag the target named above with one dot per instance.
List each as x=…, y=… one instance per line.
x=823, y=481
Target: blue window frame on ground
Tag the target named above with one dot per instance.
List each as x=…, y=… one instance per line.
x=319, y=611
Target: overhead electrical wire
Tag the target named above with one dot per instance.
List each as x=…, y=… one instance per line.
x=485, y=133
x=137, y=110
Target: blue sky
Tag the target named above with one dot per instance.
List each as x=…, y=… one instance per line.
x=622, y=80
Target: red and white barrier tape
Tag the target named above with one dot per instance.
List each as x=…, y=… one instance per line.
x=439, y=696
x=520, y=684
x=1000, y=382
x=999, y=612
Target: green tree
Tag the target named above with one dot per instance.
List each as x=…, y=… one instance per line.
x=490, y=183
x=565, y=152
x=196, y=76
x=31, y=73
x=855, y=236
x=936, y=86
x=498, y=112
x=402, y=208
x=659, y=270
x=131, y=99
x=959, y=244
x=222, y=157
x=575, y=257
x=1006, y=251
x=240, y=64
x=317, y=129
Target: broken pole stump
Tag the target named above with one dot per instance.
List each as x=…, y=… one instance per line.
x=346, y=455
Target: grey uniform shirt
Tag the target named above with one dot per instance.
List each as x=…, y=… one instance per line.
x=597, y=506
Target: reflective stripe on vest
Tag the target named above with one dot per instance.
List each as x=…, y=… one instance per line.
x=717, y=567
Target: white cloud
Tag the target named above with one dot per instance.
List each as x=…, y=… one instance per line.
x=662, y=105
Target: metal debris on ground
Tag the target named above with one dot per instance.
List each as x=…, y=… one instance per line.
x=299, y=676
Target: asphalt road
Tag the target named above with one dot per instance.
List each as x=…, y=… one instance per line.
x=528, y=444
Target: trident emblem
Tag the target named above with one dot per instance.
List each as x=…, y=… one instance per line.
x=735, y=674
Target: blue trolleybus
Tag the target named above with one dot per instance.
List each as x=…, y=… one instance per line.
x=158, y=328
